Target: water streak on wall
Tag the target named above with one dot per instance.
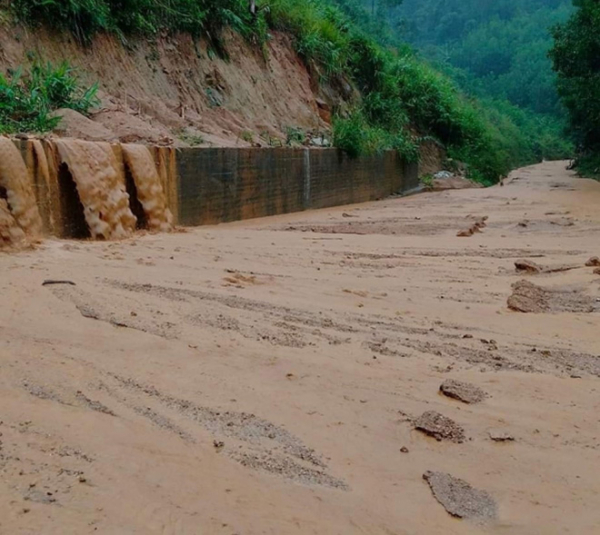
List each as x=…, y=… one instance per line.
x=101, y=187
x=148, y=185
x=11, y=235
x=166, y=164
x=17, y=189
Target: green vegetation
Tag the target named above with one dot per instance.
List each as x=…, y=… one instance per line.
x=247, y=136
x=86, y=17
x=403, y=98
x=576, y=58
x=427, y=182
x=496, y=52
x=27, y=101
x=499, y=48
x=192, y=139
x=295, y=136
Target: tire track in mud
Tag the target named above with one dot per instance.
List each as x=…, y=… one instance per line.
x=501, y=254
x=369, y=330
x=96, y=308
x=296, y=328
x=284, y=326
x=44, y=470
x=246, y=438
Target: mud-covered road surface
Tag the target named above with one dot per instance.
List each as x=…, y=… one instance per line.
x=267, y=377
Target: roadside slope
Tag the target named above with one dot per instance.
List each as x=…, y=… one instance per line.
x=171, y=90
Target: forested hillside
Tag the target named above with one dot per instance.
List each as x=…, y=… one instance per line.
x=501, y=46
x=576, y=58
x=496, y=51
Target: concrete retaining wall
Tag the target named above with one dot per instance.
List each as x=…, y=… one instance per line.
x=218, y=185
x=209, y=186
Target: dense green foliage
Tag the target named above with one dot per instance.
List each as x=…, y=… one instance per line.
x=26, y=102
x=403, y=98
x=87, y=17
x=401, y=95
x=576, y=57
x=501, y=47
x=496, y=51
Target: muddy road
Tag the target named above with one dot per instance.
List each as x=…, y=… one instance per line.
x=282, y=376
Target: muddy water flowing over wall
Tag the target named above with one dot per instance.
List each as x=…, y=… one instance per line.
x=101, y=187
x=148, y=186
x=17, y=190
x=11, y=235
x=77, y=189
x=39, y=171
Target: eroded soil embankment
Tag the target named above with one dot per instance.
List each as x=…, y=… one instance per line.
x=354, y=370
x=173, y=91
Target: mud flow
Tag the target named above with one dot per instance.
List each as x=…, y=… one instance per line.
x=77, y=189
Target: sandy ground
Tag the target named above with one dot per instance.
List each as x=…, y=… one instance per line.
x=265, y=377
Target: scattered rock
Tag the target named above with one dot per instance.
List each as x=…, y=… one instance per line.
x=528, y=266
x=466, y=233
x=459, y=498
x=498, y=435
x=465, y=392
x=474, y=228
x=404, y=449
x=597, y=271
x=55, y=282
x=524, y=224
x=467, y=336
x=440, y=427
x=529, y=298
x=444, y=180
x=593, y=262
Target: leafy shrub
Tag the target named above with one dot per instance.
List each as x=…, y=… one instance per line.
x=589, y=165
x=247, y=136
x=295, y=136
x=26, y=101
x=427, y=182
x=84, y=18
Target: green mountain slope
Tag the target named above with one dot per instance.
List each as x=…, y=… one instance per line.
x=501, y=47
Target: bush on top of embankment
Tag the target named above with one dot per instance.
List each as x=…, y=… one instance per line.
x=26, y=101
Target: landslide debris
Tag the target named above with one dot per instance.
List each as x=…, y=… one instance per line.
x=460, y=499
x=440, y=427
x=461, y=391
x=530, y=298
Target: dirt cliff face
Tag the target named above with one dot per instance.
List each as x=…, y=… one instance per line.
x=172, y=91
